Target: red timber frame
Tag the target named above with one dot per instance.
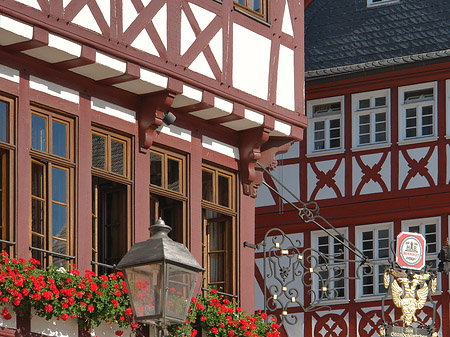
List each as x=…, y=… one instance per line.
x=350, y=209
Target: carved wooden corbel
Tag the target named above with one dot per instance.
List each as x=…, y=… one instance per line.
x=256, y=146
x=151, y=115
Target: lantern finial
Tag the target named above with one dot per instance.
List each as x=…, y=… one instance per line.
x=159, y=229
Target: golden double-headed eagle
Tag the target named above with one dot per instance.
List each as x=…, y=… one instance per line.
x=405, y=294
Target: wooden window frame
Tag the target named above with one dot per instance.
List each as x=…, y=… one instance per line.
x=165, y=191
x=107, y=174
x=48, y=161
x=7, y=162
x=232, y=235
x=263, y=16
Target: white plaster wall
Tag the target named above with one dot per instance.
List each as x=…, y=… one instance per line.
x=418, y=180
x=285, y=82
x=218, y=146
x=57, y=328
x=54, y=89
x=289, y=176
x=371, y=160
x=9, y=74
x=12, y=323
x=113, y=110
x=251, y=58
x=294, y=152
x=109, y=330
x=287, y=22
x=264, y=197
x=326, y=192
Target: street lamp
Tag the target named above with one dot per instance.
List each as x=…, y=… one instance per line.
x=161, y=275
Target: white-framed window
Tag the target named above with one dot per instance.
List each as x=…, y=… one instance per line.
x=430, y=229
x=325, y=131
x=329, y=279
x=370, y=118
x=417, y=106
x=447, y=84
x=375, y=3
x=374, y=241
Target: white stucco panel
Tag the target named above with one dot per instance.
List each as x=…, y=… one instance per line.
x=371, y=186
x=187, y=34
x=31, y=3
x=9, y=74
x=218, y=146
x=200, y=65
x=294, y=152
x=289, y=176
x=144, y=43
x=285, y=81
x=113, y=110
x=176, y=132
x=251, y=59
x=86, y=19
x=216, y=46
x=57, y=328
x=108, y=330
x=264, y=197
x=287, y=23
x=160, y=23
x=129, y=14
x=54, y=89
x=203, y=16
x=326, y=192
x=418, y=180
x=8, y=323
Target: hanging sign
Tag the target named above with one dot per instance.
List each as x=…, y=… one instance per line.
x=411, y=250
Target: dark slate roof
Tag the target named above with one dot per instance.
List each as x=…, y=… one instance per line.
x=344, y=36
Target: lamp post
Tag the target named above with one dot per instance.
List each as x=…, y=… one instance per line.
x=160, y=275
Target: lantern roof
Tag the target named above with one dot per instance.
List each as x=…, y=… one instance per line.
x=159, y=248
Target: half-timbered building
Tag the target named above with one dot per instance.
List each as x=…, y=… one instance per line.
x=114, y=113
x=375, y=159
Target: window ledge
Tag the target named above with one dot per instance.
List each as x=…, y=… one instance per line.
x=371, y=147
x=334, y=302
x=368, y=298
x=418, y=140
x=324, y=153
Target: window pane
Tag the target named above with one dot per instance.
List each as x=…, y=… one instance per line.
x=155, y=169
x=37, y=216
x=38, y=133
x=59, y=222
x=364, y=103
x=207, y=186
x=59, y=138
x=59, y=185
x=117, y=157
x=98, y=151
x=37, y=180
x=3, y=122
x=380, y=101
x=173, y=175
x=224, y=191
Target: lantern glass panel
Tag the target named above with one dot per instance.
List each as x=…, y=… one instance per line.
x=145, y=287
x=181, y=283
